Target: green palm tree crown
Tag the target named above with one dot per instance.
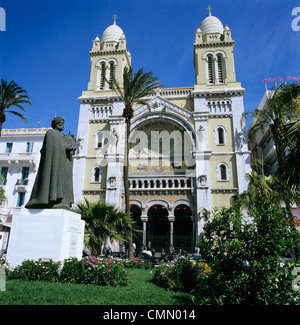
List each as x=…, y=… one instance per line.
x=281, y=119
x=104, y=221
x=12, y=96
x=135, y=87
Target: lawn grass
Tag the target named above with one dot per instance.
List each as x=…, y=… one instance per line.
x=139, y=291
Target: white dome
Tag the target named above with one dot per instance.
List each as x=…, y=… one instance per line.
x=112, y=33
x=211, y=24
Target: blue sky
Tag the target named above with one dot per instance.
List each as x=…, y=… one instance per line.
x=45, y=48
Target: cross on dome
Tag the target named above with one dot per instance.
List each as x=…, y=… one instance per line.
x=209, y=10
x=115, y=19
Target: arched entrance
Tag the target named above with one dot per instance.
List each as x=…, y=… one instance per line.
x=183, y=228
x=158, y=228
x=136, y=213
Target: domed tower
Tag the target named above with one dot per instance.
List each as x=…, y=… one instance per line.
x=213, y=55
x=108, y=59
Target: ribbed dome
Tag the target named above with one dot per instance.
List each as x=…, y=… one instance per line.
x=112, y=34
x=211, y=24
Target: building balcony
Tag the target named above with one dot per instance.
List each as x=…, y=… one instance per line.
x=21, y=184
x=167, y=185
x=17, y=158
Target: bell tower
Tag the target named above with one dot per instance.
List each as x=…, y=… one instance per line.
x=108, y=59
x=213, y=55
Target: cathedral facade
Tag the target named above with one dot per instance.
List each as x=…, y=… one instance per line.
x=188, y=147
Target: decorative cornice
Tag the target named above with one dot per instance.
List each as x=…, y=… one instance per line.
x=214, y=44
x=107, y=52
x=98, y=99
x=212, y=92
x=224, y=190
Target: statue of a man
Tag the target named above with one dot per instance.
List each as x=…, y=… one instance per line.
x=53, y=187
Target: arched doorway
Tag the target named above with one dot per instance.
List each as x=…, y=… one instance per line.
x=158, y=228
x=136, y=213
x=183, y=228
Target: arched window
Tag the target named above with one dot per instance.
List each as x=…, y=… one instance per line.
x=99, y=139
x=96, y=174
x=220, y=68
x=111, y=74
x=220, y=135
x=102, y=80
x=223, y=174
x=210, y=69
x=221, y=139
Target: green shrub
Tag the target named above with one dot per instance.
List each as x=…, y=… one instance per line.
x=93, y=270
x=38, y=270
x=137, y=263
x=71, y=271
x=3, y=263
x=181, y=274
x=244, y=257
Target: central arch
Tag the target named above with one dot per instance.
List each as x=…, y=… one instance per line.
x=158, y=228
x=183, y=228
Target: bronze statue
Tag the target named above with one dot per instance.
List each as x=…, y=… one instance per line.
x=53, y=187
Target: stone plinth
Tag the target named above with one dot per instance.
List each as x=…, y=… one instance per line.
x=45, y=233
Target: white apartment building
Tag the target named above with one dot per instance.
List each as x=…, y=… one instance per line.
x=19, y=160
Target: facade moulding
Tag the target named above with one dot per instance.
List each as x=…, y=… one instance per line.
x=218, y=44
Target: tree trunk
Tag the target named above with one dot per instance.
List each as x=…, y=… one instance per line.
x=2, y=120
x=128, y=115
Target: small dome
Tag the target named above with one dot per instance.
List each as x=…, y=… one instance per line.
x=112, y=33
x=211, y=24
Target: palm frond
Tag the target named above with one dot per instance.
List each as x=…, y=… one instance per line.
x=17, y=114
x=12, y=95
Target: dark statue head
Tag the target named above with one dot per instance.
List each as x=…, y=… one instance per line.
x=58, y=123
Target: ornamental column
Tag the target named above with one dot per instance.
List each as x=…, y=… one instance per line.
x=144, y=219
x=171, y=220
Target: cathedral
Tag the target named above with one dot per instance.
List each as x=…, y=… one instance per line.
x=188, y=146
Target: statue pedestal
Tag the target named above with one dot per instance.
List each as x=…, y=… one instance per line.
x=45, y=233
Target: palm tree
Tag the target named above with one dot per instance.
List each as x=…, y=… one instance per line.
x=281, y=109
x=134, y=89
x=259, y=185
x=104, y=221
x=281, y=112
x=272, y=186
x=12, y=95
x=291, y=166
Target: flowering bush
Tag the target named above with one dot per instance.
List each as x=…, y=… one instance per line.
x=137, y=263
x=30, y=270
x=93, y=270
x=181, y=274
x=3, y=264
x=89, y=270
